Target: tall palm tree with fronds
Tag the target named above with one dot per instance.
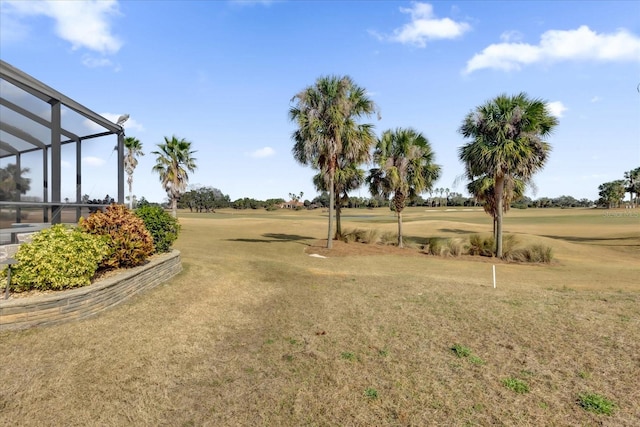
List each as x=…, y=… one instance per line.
x=326, y=115
x=133, y=148
x=507, y=141
x=405, y=168
x=174, y=159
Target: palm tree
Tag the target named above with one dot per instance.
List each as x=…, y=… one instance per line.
x=326, y=115
x=507, y=135
x=446, y=201
x=632, y=183
x=13, y=182
x=134, y=149
x=405, y=169
x=174, y=159
x=483, y=190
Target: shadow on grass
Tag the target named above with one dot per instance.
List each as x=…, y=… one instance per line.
x=593, y=239
x=275, y=238
x=456, y=231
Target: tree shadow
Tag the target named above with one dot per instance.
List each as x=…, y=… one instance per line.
x=456, y=231
x=582, y=239
x=419, y=240
x=276, y=238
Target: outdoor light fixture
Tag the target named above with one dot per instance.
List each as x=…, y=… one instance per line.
x=123, y=118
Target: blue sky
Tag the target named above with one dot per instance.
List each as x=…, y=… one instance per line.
x=222, y=73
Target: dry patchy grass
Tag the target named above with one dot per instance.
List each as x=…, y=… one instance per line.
x=256, y=332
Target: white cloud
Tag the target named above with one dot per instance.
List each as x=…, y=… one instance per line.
x=93, y=62
x=85, y=24
x=424, y=26
x=262, y=152
x=556, y=108
x=581, y=44
x=93, y=161
x=65, y=164
x=130, y=124
x=596, y=99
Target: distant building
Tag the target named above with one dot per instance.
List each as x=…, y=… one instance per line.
x=292, y=204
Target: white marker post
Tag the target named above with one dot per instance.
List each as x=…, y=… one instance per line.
x=494, y=276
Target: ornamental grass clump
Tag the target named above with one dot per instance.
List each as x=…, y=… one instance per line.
x=128, y=237
x=58, y=258
x=163, y=227
x=479, y=245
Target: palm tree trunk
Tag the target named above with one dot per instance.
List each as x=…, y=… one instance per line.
x=499, y=190
x=174, y=207
x=331, y=206
x=495, y=237
x=338, y=234
x=130, y=182
x=398, y=202
x=400, y=244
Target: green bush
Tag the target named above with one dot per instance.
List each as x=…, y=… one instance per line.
x=58, y=258
x=129, y=239
x=163, y=227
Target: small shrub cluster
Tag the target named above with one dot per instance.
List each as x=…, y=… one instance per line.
x=369, y=236
x=163, y=227
x=533, y=254
x=389, y=238
x=58, y=258
x=61, y=257
x=129, y=239
x=445, y=247
x=482, y=246
x=435, y=247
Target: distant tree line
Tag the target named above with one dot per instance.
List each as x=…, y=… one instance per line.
x=612, y=193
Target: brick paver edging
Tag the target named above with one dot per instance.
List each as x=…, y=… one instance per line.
x=64, y=306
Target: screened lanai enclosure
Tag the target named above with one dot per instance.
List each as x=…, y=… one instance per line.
x=58, y=158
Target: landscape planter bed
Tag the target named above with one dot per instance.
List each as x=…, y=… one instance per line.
x=79, y=303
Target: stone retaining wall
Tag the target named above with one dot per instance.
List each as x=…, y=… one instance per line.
x=63, y=306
